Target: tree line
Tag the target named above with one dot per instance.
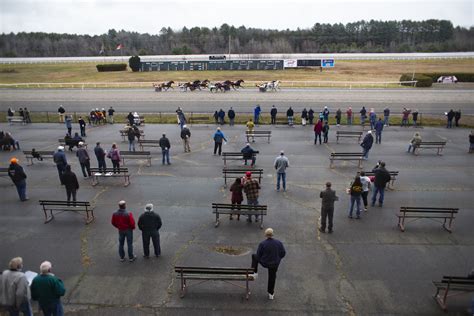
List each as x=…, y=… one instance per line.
x=357, y=37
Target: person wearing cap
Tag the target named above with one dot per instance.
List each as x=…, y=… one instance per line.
x=367, y=143
x=18, y=176
x=15, y=290
x=326, y=114
x=70, y=183
x=125, y=223
x=405, y=117
x=249, y=154
x=150, y=223
x=100, y=155
x=280, y=164
x=185, y=136
x=381, y=178
x=269, y=255
x=165, y=149
x=218, y=139
x=47, y=289
x=372, y=118
x=84, y=160
x=251, y=189
x=82, y=126
x=328, y=197
x=60, y=160
x=61, y=114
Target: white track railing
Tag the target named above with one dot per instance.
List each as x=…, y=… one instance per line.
x=283, y=84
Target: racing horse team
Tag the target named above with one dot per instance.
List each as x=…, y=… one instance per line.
x=223, y=86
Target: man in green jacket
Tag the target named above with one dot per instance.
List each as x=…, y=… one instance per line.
x=47, y=289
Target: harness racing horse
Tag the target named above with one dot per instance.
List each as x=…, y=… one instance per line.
x=272, y=86
x=203, y=84
x=187, y=85
x=237, y=84
x=219, y=86
x=163, y=86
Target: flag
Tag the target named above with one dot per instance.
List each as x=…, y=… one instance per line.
x=119, y=46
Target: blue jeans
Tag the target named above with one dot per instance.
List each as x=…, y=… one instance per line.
x=281, y=176
x=365, y=153
x=404, y=122
x=25, y=309
x=450, y=124
x=131, y=145
x=385, y=120
x=256, y=118
x=53, y=309
x=362, y=120
x=166, y=155
x=349, y=120
x=155, y=238
x=61, y=168
x=252, y=159
x=355, y=199
x=378, y=137
x=290, y=120
x=381, y=191
x=372, y=124
x=126, y=234
x=21, y=188
x=252, y=202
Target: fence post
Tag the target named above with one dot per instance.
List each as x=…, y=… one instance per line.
x=47, y=116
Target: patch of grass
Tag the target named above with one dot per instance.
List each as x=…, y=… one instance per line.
x=8, y=71
x=229, y=250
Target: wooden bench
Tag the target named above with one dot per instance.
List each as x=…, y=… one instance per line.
x=454, y=284
x=62, y=142
x=124, y=134
x=136, y=155
x=393, y=176
x=228, y=172
x=204, y=274
x=243, y=209
x=148, y=143
x=109, y=172
x=349, y=134
x=439, y=146
x=199, y=119
x=426, y=212
x=65, y=206
x=253, y=134
x=346, y=156
x=16, y=119
x=44, y=154
x=234, y=156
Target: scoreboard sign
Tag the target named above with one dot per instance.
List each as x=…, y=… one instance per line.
x=326, y=63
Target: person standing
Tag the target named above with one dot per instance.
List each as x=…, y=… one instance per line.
x=363, y=115
x=60, y=160
x=325, y=131
x=100, y=155
x=457, y=117
x=216, y=117
x=221, y=116
x=328, y=197
x=131, y=118
x=289, y=115
x=131, y=138
x=280, y=164
x=218, y=139
x=250, y=126
x=114, y=155
x=15, y=290
x=372, y=118
x=61, y=114
x=68, y=122
x=304, y=117
x=82, y=126
x=237, y=195
x=71, y=184
x=111, y=112
x=256, y=114
x=378, y=131
x=18, y=177
x=415, y=142
x=269, y=255
x=249, y=154
x=125, y=223
x=405, y=114
x=338, y=117
x=355, y=191
x=318, y=127
x=251, y=189
x=415, y=117
x=185, y=136
x=450, y=116
x=382, y=177
x=84, y=160
x=231, y=115
x=349, y=116
x=47, y=289
x=326, y=114
x=365, y=188
x=386, y=116
x=273, y=114
x=367, y=143
x=311, y=116
x=150, y=223
x=165, y=149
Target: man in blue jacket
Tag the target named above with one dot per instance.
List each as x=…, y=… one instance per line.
x=367, y=143
x=256, y=114
x=378, y=131
x=218, y=139
x=269, y=254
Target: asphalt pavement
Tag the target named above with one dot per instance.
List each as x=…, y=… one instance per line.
x=366, y=267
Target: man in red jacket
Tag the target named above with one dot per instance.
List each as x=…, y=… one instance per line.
x=124, y=222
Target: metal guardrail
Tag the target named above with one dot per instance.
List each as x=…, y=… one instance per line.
x=284, y=84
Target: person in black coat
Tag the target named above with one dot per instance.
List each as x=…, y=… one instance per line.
x=165, y=149
x=130, y=118
x=289, y=115
x=150, y=223
x=231, y=115
x=450, y=116
x=273, y=114
x=457, y=117
x=18, y=176
x=71, y=184
x=367, y=143
x=311, y=116
x=382, y=177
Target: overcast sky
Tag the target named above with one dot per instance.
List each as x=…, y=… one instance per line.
x=149, y=16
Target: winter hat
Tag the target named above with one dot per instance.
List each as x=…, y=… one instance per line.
x=149, y=207
x=369, y=132
x=81, y=144
x=185, y=126
x=14, y=160
x=248, y=174
x=121, y=203
x=60, y=148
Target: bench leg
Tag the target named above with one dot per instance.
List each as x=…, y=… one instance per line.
x=217, y=219
x=149, y=161
x=89, y=219
x=127, y=181
x=30, y=160
x=331, y=163
x=441, y=300
x=48, y=218
x=94, y=181
x=261, y=220
x=247, y=290
x=449, y=225
x=401, y=223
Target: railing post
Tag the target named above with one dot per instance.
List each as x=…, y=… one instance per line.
x=47, y=116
